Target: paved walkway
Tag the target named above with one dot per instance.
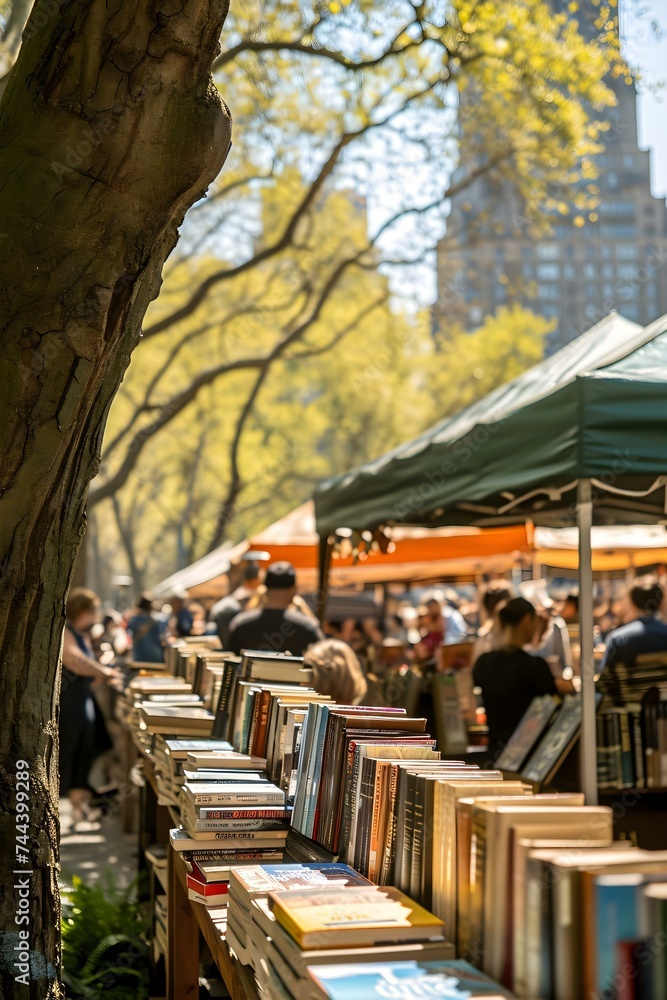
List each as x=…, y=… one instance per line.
x=92, y=849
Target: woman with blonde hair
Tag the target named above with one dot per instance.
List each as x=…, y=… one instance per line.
x=336, y=671
x=77, y=721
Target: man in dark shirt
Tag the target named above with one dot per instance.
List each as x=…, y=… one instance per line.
x=645, y=633
x=510, y=677
x=275, y=627
x=225, y=611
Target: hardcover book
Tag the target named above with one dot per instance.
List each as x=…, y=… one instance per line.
x=553, y=747
x=359, y=917
x=537, y=717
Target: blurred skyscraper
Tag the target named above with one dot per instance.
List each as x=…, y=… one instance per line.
x=613, y=256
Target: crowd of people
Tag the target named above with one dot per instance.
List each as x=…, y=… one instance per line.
x=519, y=642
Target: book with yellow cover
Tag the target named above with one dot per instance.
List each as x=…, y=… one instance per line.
x=359, y=917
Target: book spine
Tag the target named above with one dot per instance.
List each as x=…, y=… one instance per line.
x=259, y=747
x=232, y=855
x=319, y=804
x=650, y=744
x=390, y=839
x=417, y=837
x=604, y=776
x=313, y=790
x=241, y=814
x=477, y=859
x=626, y=749
x=408, y=833
x=347, y=790
x=221, y=724
x=397, y=874
x=300, y=787
x=249, y=720
x=350, y=850
x=232, y=798
x=246, y=825
x=662, y=742
x=293, y=775
x=238, y=838
x=375, y=823
x=615, y=737
x=637, y=747
x=365, y=805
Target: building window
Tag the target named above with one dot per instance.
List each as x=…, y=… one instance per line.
x=628, y=293
x=618, y=207
x=618, y=232
x=630, y=311
x=605, y=251
x=592, y=293
x=548, y=292
x=626, y=271
x=626, y=251
x=609, y=291
x=607, y=272
x=548, y=272
x=612, y=179
x=590, y=271
x=548, y=251
x=551, y=312
x=569, y=272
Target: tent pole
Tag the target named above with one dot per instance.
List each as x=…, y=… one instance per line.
x=324, y=566
x=588, y=758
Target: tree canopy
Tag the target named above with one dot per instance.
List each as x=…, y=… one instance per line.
x=351, y=135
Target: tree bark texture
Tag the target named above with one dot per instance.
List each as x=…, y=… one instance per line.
x=110, y=128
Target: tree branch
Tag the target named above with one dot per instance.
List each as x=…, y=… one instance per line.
x=228, y=507
x=285, y=239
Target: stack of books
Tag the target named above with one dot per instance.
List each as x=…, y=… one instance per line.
x=228, y=800
x=170, y=757
x=254, y=884
x=180, y=655
x=345, y=928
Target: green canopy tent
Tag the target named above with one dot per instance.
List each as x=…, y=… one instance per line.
x=581, y=436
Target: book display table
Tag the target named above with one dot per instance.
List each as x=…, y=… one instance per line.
x=186, y=921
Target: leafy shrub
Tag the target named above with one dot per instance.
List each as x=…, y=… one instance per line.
x=104, y=942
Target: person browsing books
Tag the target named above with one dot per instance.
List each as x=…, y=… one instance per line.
x=510, y=677
x=275, y=626
x=644, y=632
x=81, y=727
x=147, y=628
x=337, y=671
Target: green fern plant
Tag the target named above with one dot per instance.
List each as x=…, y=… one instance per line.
x=104, y=942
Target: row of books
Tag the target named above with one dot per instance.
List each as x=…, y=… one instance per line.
x=472, y=860
x=632, y=745
x=631, y=741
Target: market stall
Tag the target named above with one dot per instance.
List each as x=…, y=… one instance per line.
x=581, y=436
x=400, y=554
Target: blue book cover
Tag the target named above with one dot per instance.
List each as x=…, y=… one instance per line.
x=617, y=899
x=453, y=980
x=315, y=770
x=306, y=738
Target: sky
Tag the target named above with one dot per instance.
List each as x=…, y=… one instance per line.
x=649, y=55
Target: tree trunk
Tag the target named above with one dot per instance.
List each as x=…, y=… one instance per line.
x=110, y=128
